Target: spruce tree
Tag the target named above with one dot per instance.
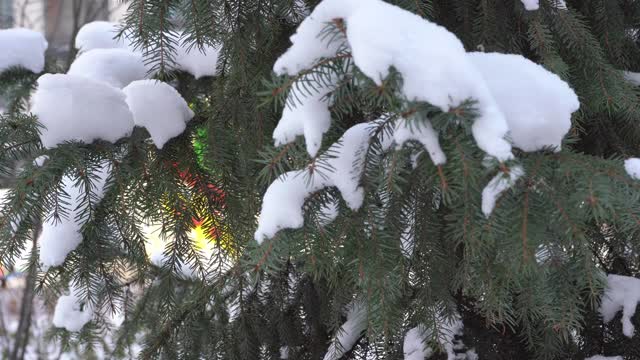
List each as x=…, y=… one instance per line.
x=434, y=206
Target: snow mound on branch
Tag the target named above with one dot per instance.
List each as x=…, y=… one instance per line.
x=497, y=186
x=305, y=114
x=199, y=62
x=381, y=36
x=632, y=77
x=632, y=166
x=71, y=313
x=349, y=332
x=282, y=203
x=422, y=132
x=77, y=108
x=159, y=108
x=536, y=102
x=116, y=67
x=415, y=347
x=22, y=47
x=61, y=236
x=622, y=293
x=600, y=357
x=531, y=4
x=99, y=35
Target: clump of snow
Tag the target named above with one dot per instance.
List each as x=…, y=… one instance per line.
x=414, y=347
x=40, y=160
x=22, y=47
x=71, y=313
x=632, y=77
x=310, y=116
x=116, y=67
x=99, y=35
x=199, y=62
x=536, y=102
x=381, y=36
x=102, y=35
x=159, y=108
x=284, y=352
x=282, y=203
x=531, y=4
x=621, y=293
x=60, y=237
x=632, y=166
x=560, y=4
x=77, y=108
x=422, y=132
x=600, y=357
x=349, y=332
x=496, y=186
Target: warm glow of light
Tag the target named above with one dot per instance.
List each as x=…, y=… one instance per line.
x=155, y=243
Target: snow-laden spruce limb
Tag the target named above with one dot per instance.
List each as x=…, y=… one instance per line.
x=335, y=179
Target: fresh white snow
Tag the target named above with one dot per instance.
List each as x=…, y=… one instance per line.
x=22, y=47
x=415, y=341
x=382, y=35
x=305, y=114
x=40, y=160
x=159, y=108
x=77, y=108
x=632, y=77
x=621, y=293
x=349, y=333
x=99, y=35
x=199, y=62
x=422, y=132
x=531, y=4
x=632, y=166
x=60, y=237
x=414, y=346
x=536, y=102
x=600, y=357
x=71, y=313
x=116, y=67
x=283, y=200
x=496, y=186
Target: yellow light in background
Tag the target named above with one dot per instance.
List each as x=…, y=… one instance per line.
x=204, y=243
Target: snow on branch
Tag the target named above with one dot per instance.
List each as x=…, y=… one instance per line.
x=621, y=293
x=349, y=333
x=100, y=35
x=422, y=132
x=116, y=67
x=536, y=103
x=159, y=108
x=632, y=166
x=72, y=107
x=61, y=236
x=380, y=36
x=282, y=203
x=497, y=186
x=22, y=47
x=415, y=345
x=71, y=313
x=103, y=35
